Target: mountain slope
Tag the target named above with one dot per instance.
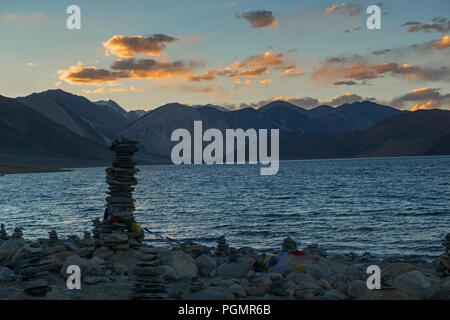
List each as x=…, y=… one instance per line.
x=26, y=132
x=106, y=120
x=48, y=107
x=423, y=132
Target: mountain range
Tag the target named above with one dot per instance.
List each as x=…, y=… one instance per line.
x=64, y=129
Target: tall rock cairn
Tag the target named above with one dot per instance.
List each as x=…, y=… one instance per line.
x=120, y=203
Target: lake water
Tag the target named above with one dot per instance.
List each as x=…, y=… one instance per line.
x=382, y=205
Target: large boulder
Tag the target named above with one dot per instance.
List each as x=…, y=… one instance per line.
x=184, y=265
x=412, y=281
x=6, y=274
x=9, y=247
x=205, y=263
x=357, y=288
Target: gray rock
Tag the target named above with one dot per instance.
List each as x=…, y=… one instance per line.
x=6, y=274
x=184, y=265
x=238, y=291
x=205, y=262
x=357, y=288
x=233, y=270
x=210, y=293
x=412, y=281
x=298, y=277
x=334, y=295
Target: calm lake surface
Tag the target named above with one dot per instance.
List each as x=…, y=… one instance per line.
x=382, y=205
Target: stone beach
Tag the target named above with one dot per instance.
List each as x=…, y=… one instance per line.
x=37, y=270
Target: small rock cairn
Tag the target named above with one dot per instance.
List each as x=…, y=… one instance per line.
x=289, y=245
x=222, y=247
x=3, y=234
x=149, y=284
x=53, y=237
x=118, y=231
x=444, y=259
x=33, y=269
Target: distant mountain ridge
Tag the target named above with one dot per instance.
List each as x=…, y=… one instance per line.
x=350, y=130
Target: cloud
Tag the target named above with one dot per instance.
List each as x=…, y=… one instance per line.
x=242, y=83
x=96, y=91
x=345, y=83
x=252, y=67
x=381, y=52
x=32, y=64
x=150, y=68
x=357, y=68
x=79, y=74
x=291, y=71
x=259, y=19
x=24, y=19
x=437, y=24
x=130, y=89
x=254, y=72
x=423, y=98
x=266, y=59
x=127, y=46
x=265, y=81
x=430, y=104
x=343, y=9
x=345, y=98
x=440, y=44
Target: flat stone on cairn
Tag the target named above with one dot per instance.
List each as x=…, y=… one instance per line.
x=289, y=245
x=3, y=234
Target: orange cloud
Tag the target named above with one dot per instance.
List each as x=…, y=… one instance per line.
x=127, y=46
x=150, y=69
x=265, y=81
x=290, y=71
x=430, y=104
x=357, y=69
x=441, y=43
x=79, y=74
x=263, y=60
x=96, y=91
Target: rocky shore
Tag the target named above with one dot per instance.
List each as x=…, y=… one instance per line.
x=113, y=269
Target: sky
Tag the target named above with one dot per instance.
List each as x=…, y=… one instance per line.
x=143, y=53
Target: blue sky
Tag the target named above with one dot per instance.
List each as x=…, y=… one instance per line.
x=220, y=57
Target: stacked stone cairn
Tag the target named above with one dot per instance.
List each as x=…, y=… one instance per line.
x=289, y=245
x=18, y=233
x=149, y=284
x=118, y=231
x=97, y=230
x=444, y=259
x=233, y=255
x=222, y=247
x=3, y=234
x=33, y=269
x=53, y=237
